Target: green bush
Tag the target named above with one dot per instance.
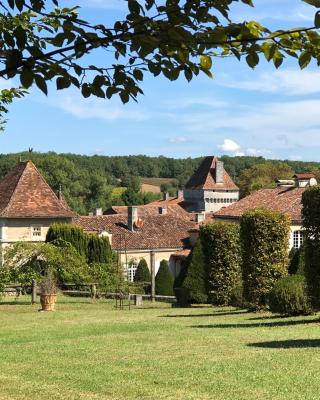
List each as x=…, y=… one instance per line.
x=311, y=223
x=164, y=280
x=142, y=272
x=71, y=234
x=221, y=248
x=99, y=250
x=289, y=296
x=264, y=240
x=179, y=279
x=296, y=261
x=196, y=276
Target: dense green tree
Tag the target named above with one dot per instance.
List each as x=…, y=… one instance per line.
x=164, y=280
x=170, y=38
x=197, y=275
x=264, y=240
x=99, y=250
x=142, y=272
x=71, y=234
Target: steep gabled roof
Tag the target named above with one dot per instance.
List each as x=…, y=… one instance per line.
x=24, y=193
x=283, y=199
x=204, y=177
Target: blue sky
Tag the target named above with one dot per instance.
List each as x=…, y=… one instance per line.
x=265, y=112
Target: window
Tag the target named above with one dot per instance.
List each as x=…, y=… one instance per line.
x=130, y=270
x=36, y=231
x=297, y=239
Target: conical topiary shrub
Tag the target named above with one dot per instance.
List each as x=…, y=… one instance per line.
x=164, y=280
x=142, y=272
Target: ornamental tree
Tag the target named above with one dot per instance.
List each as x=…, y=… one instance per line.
x=41, y=41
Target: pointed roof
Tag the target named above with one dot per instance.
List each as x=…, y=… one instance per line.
x=24, y=193
x=205, y=177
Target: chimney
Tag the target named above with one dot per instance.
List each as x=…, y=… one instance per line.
x=60, y=196
x=166, y=196
x=180, y=194
x=97, y=212
x=200, y=217
x=163, y=210
x=219, y=171
x=132, y=217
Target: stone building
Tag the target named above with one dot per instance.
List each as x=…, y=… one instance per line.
x=210, y=188
x=286, y=198
x=28, y=206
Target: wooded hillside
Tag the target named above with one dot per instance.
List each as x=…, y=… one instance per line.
x=89, y=181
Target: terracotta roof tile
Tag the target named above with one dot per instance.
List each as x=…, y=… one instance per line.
x=24, y=193
x=304, y=176
x=204, y=177
x=283, y=199
x=156, y=232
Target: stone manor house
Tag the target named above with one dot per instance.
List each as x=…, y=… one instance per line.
x=164, y=229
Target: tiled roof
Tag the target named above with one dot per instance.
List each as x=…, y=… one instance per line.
x=204, y=177
x=304, y=176
x=283, y=199
x=24, y=193
x=175, y=207
x=156, y=231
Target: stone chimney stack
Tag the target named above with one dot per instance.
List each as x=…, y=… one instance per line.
x=166, y=196
x=219, y=171
x=97, y=212
x=200, y=217
x=163, y=210
x=132, y=217
x=180, y=194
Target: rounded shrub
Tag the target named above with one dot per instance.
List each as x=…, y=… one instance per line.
x=164, y=280
x=142, y=272
x=289, y=296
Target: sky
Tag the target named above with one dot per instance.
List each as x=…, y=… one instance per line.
x=267, y=112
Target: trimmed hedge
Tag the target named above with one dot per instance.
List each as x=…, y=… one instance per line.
x=311, y=223
x=195, y=279
x=164, y=280
x=221, y=249
x=71, y=234
x=264, y=240
x=99, y=250
x=296, y=261
x=289, y=296
x=142, y=272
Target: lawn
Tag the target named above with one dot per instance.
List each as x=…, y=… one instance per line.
x=92, y=351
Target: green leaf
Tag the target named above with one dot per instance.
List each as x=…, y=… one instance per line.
x=86, y=90
x=304, y=59
x=138, y=74
x=124, y=97
x=26, y=78
x=62, y=83
x=317, y=20
x=252, y=60
x=205, y=62
x=41, y=83
x=315, y=3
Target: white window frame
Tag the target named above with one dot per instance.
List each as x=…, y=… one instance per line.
x=297, y=239
x=36, y=232
x=130, y=270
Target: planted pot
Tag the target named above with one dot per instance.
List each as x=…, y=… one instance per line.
x=48, y=302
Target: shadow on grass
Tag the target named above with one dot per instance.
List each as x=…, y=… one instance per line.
x=288, y=344
x=215, y=314
x=262, y=325
x=15, y=303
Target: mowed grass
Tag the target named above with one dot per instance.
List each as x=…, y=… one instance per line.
x=92, y=351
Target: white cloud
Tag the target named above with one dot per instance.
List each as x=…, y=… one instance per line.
x=229, y=146
x=186, y=102
x=178, y=139
x=288, y=82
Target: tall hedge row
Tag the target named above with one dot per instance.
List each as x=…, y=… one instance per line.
x=196, y=275
x=311, y=223
x=265, y=241
x=142, y=273
x=94, y=248
x=221, y=248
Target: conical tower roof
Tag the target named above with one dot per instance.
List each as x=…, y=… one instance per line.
x=205, y=177
x=24, y=193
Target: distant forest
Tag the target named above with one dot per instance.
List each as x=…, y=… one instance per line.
x=90, y=181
